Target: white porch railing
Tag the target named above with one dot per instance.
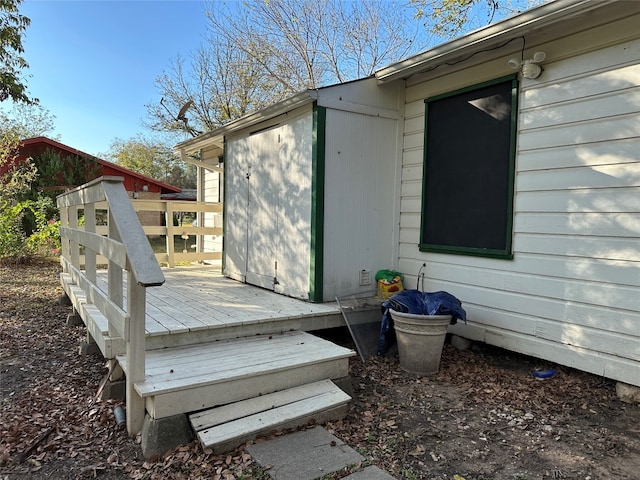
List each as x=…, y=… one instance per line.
x=166, y=209
x=125, y=248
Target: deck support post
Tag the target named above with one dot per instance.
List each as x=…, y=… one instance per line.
x=74, y=319
x=135, y=354
x=115, y=369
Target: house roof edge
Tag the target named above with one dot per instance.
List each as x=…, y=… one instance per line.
x=217, y=136
x=543, y=15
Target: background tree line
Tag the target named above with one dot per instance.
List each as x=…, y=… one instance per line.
x=258, y=52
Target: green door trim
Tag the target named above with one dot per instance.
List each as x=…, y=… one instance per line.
x=317, y=203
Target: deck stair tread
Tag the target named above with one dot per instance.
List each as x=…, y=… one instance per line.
x=225, y=427
x=179, y=368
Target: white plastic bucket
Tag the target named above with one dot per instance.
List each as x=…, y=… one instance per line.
x=420, y=340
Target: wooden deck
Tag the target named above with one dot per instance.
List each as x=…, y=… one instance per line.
x=189, y=343
x=198, y=299
x=236, y=357
x=198, y=304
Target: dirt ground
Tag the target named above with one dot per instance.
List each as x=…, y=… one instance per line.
x=483, y=416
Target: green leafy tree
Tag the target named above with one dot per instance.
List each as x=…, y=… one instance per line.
x=56, y=173
x=28, y=121
x=17, y=177
x=12, y=28
x=151, y=158
x=449, y=18
x=27, y=228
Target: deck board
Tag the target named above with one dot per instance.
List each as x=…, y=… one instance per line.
x=225, y=427
x=207, y=364
x=200, y=299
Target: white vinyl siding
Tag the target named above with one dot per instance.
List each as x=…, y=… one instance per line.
x=572, y=292
x=212, y=193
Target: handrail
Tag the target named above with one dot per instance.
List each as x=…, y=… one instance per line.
x=140, y=257
x=127, y=249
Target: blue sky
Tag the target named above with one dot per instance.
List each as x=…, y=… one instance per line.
x=93, y=62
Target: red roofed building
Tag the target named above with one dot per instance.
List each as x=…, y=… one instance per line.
x=138, y=185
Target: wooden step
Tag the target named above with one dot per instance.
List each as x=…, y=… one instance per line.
x=195, y=377
x=224, y=428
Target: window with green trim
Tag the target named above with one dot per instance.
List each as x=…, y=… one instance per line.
x=468, y=176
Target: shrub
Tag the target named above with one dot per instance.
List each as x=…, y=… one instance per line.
x=26, y=227
x=18, y=245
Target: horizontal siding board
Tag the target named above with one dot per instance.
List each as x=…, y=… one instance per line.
x=409, y=239
x=525, y=314
x=587, y=292
x=414, y=124
x=620, y=102
x=603, y=271
x=409, y=220
x=605, y=248
x=412, y=157
x=605, y=62
x=609, y=152
x=414, y=109
x=589, y=337
x=411, y=204
x=603, y=176
x=571, y=89
x=612, y=200
x=581, y=224
x=578, y=133
x=412, y=188
x=411, y=172
x=413, y=140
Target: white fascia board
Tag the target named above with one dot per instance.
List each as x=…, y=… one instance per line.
x=217, y=136
x=199, y=163
x=538, y=17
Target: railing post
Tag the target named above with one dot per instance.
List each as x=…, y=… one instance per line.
x=90, y=255
x=170, y=242
x=114, y=273
x=74, y=246
x=136, y=307
x=64, y=241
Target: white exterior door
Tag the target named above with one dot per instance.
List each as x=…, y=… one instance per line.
x=264, y=185
x=268, y=208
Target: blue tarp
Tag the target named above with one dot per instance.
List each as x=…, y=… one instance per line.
x=419, y=303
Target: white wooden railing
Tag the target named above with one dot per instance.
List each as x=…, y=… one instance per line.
x=126, y=249
x=166, y=209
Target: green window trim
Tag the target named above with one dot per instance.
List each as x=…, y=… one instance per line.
x=506, y=221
